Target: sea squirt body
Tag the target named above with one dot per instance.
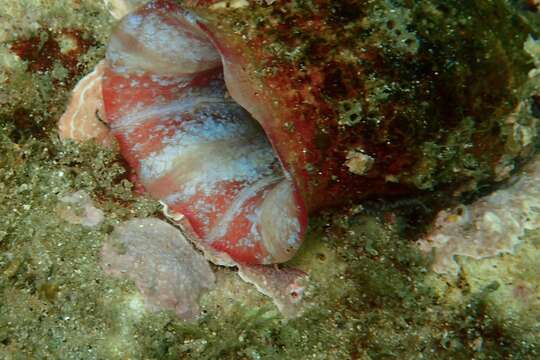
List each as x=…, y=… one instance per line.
x=191, y=145
x=355, y=98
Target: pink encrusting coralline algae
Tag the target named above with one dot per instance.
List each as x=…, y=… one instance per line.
x=490, y=226
x=166, y=269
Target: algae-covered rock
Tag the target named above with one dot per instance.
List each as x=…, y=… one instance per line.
x=435, y=93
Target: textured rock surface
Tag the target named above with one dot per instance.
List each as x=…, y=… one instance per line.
x=166, y=269
x=427, y=108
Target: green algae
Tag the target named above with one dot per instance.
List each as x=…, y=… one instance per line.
x=54, y=296
x=371, y=297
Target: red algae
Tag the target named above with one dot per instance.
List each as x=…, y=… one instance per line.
x=43, y=50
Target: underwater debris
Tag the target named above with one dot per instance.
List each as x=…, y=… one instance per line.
x=358, y=162
x=164, y=266
x=490, y=226
x=77, y=208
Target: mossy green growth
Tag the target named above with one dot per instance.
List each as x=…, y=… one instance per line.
x=54, y=297
x=368, y=297
x=468, y=81
x=456, y=150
